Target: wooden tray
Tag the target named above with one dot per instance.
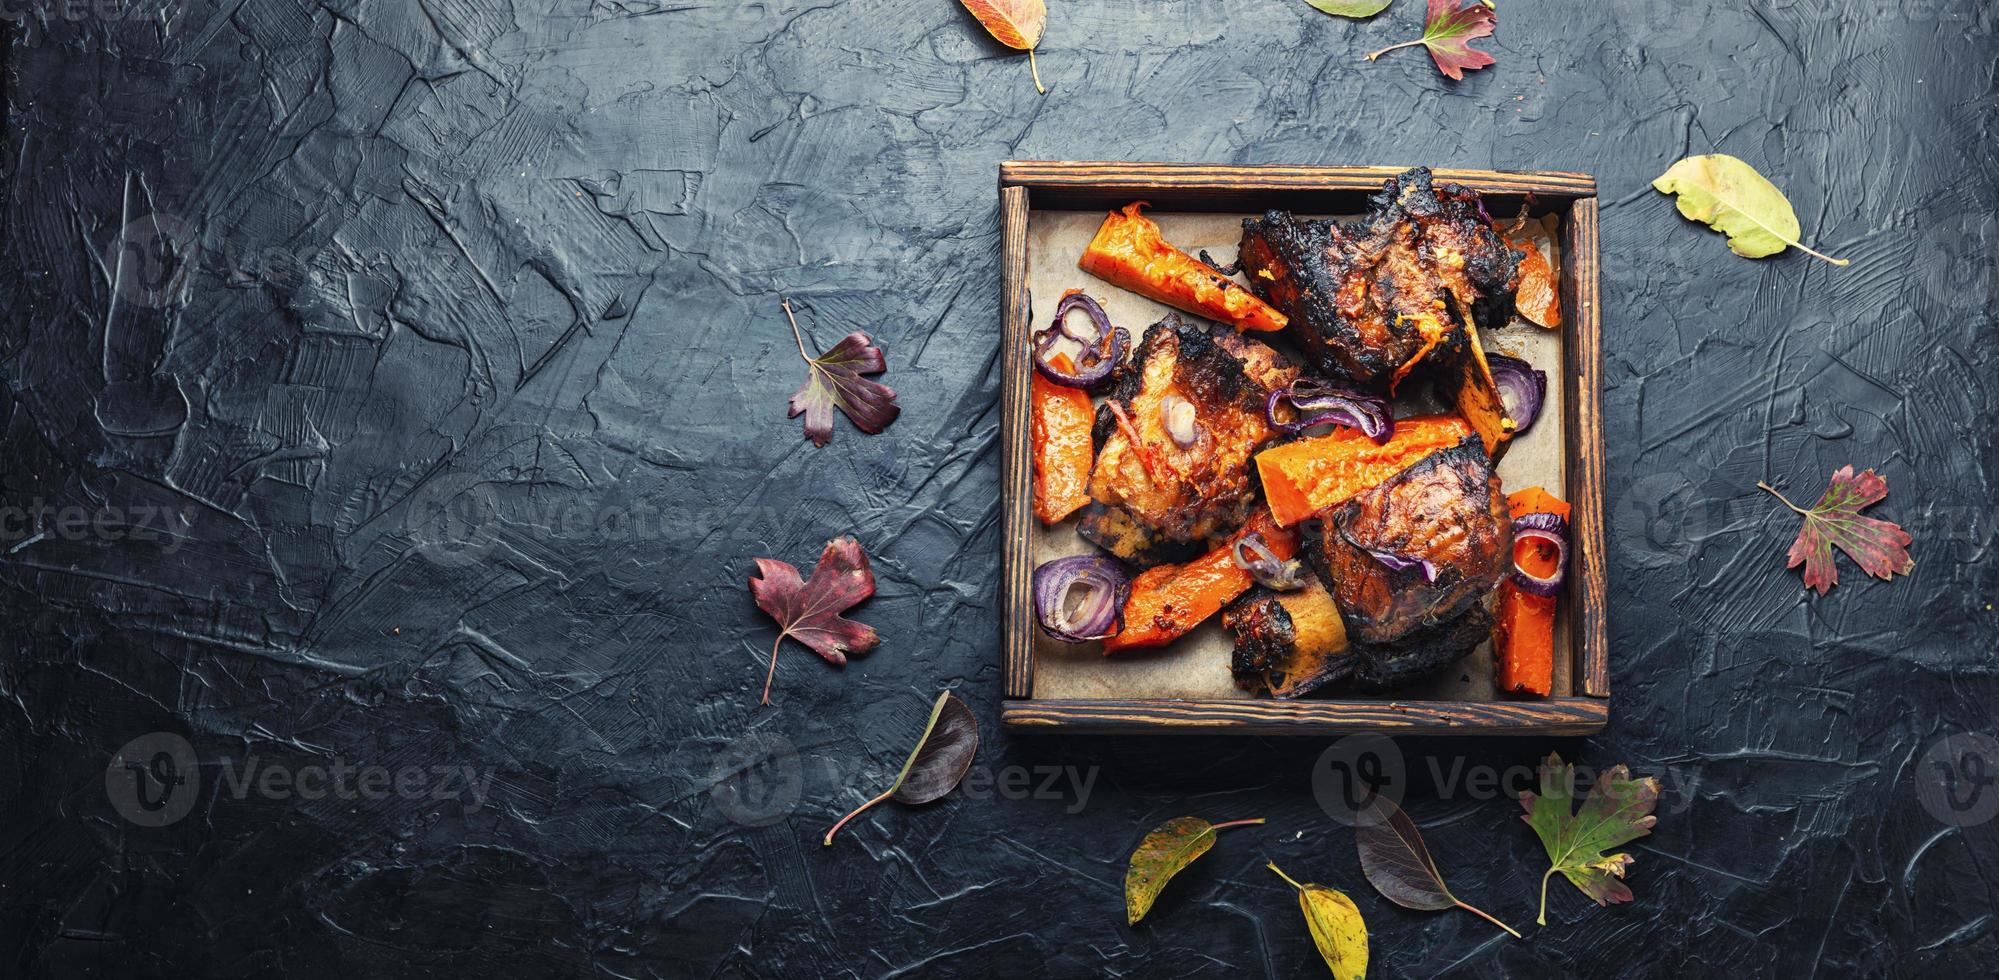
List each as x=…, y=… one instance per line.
x=1580, y=704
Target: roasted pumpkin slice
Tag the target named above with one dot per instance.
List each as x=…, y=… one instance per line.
x=1129, y=251
x=1304, y=477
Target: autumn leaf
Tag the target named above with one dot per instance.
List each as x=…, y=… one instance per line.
x=1729, y=196
x=1880, y=547
x=1398, y=865
x=1016, y=24
x=809, y=612
x=1336, y=925
x=1170, y=847
x=942, y=755
x=834, y=380
x=1357, y=9
x=1448, y=30
x=1618, y=811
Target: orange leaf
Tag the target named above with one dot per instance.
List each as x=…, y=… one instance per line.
x=1014, y=23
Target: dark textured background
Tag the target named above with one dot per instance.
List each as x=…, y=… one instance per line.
x=452, y=440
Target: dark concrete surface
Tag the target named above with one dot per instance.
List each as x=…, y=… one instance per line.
x=400, y=384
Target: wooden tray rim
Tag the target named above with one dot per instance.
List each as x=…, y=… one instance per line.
x=1584, y=711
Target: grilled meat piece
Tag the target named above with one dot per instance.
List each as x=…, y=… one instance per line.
x=1210, y=387
x=1287, y=644
x=1114, y=530
x=1446, y=509
x=1367, y=303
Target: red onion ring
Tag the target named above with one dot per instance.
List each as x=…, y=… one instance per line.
x=1317, y=403
x=1100, y=354
x=1521, y=389
x=1402, y=562
x=1551, y=528
x=1099, y=615
x=1264, y=566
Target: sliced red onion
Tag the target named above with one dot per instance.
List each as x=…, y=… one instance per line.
x=1316, y=402
x=1253, y=555
x=1553, y=529
x=1521, y=389
x=1097, y=614
x=1177, y=416
x=1101, y=352
x=1401, y=562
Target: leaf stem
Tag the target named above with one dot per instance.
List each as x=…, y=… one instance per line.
x=1038, y=87
x=773, y=667
x=1280, y=873
x=1406, y=44
x=1543, y=920
x=1786, y=500
x=1809, y=251
x=1235, y=823
x=795, y=335
x=1475, y=910
x=828, y=842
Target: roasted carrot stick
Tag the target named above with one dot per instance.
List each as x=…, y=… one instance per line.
x=1301, y=478
x=1129, y=252
x=1523, y=636
x=1062, y=451
x=1168, y=600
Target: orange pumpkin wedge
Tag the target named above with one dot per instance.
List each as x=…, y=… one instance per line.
x=1523, y=634
x=1304, y=477
x=1128, y=251
x=1063, y=454
x=1168, y=600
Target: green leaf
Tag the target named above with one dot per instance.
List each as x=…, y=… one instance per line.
x=1619, y=810
x=1170, y=847
x=950, y=740
x=1356, y=9
x=1337, y=928
x=1731, y=197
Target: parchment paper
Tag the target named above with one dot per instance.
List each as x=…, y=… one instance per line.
x=1197, y=665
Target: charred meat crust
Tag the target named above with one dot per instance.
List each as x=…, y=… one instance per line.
x=1447, y=508
x=1202, y=492
x=1114, y=530
x=1263, y=635
x=1357, y=296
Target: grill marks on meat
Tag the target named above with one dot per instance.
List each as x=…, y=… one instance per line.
x=1446, y=508
x=1368, y=303
x=1197, y=492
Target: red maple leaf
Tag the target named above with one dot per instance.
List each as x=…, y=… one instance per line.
x=1448, y=30
x=1881, y=548
x=834, y=379
x=809, y=612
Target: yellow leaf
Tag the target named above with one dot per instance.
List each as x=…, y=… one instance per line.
x=1337, y=928
x=1731, y=197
